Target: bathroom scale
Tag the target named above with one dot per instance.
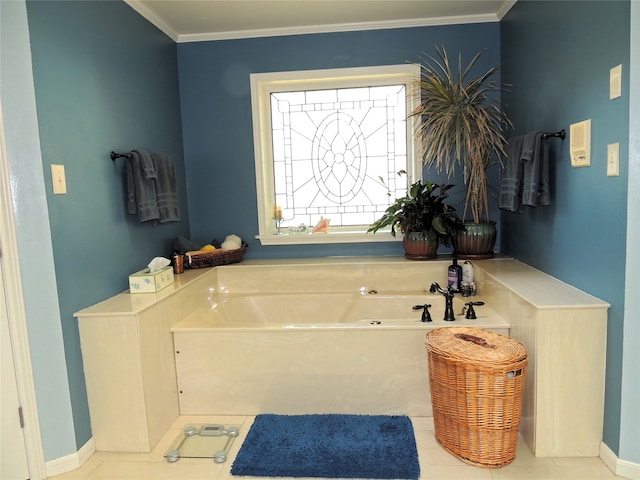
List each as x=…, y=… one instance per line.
x=203, y=441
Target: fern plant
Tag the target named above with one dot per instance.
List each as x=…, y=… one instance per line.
x=422, y=210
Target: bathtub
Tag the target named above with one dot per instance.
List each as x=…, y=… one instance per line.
x=305, y=336
x=360, y=352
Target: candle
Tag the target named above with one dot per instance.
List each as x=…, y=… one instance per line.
x=277, y=212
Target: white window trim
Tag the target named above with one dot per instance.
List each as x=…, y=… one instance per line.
x=263, y=84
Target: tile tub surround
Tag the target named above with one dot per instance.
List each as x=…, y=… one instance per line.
x=565, y=331
x=537, y=307
x=127, y=352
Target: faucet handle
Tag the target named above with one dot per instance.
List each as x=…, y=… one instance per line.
x=426, y=316
x=471, y=313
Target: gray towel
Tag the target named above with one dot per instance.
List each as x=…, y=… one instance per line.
x=535, y=162
x=141, y=186
x=545, y=191
x=512, y=175
x=166, y=194
x=529, y=146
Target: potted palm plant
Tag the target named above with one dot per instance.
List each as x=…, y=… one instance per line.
x=424, y=219
x=461, y=124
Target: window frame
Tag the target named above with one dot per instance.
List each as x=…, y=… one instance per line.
x=264, y=84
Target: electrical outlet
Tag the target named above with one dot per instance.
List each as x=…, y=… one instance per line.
x=615, y=82
x=58, y=179
x=613, y=160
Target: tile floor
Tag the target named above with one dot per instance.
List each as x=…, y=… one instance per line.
x=435, y=463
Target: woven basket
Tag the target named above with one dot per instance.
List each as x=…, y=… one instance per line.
x=214, y=258
x=477, y=383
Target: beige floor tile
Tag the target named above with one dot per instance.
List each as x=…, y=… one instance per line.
x=581, y=461
x=422, y=424
x=459, y=472
x=435, y=462
x=437, y=456
x=578, y=471
x=182, y=470
x=125, y=457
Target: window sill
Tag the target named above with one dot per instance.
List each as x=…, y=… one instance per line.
x=327, y=238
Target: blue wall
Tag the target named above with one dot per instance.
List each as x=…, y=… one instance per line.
x=560, y=75
x=35, y=252
x=217, y=125
x=105, y=79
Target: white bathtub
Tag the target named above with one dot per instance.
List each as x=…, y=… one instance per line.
x=277, y=311
x=330, y=310
x=312, y=353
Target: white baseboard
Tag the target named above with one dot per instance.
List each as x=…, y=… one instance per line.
x=619, y=467
x=628, y=470
x=86, y=451
x=71, y=462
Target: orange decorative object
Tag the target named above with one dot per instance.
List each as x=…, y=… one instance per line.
x=322, y=226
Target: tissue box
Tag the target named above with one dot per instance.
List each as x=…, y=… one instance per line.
x=145, y=282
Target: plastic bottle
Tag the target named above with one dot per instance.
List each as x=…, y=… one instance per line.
x=454, y=276
x=468, y=285
x=467, y=272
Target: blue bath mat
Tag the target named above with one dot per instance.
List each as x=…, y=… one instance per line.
x=329, y=446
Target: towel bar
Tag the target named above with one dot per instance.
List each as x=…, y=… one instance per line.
x=562, y=134
x=115, y=155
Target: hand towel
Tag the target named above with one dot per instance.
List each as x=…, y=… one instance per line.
x=166, y=194
x=141, y=186
x=529, y=146
x=545, y=190
x=512, y=175
x=532, y=157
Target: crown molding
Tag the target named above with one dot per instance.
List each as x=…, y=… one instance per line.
x=505, y=7
x=154, y=19
x=332, y=28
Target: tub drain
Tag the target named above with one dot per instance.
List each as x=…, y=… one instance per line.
x=375, y=322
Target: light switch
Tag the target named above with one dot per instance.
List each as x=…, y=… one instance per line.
x=58, y=179
x=615, y=82
x=613, y=160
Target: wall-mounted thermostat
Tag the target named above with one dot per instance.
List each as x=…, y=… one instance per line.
x=580, y=144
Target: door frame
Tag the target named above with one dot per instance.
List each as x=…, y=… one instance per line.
x=18, y=320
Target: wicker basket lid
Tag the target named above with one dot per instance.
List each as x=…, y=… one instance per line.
x=472, y=344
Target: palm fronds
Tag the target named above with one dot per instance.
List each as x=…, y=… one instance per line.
x=461, y=124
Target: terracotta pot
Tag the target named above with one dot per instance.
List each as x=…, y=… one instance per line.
x=476, y=242
x=418, y=247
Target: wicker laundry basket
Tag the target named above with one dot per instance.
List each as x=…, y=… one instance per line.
x=477, y=382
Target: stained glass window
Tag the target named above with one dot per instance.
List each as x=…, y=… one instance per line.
x=329, y=144
x=336, y=153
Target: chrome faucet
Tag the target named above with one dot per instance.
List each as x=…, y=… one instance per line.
x=449, y=316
